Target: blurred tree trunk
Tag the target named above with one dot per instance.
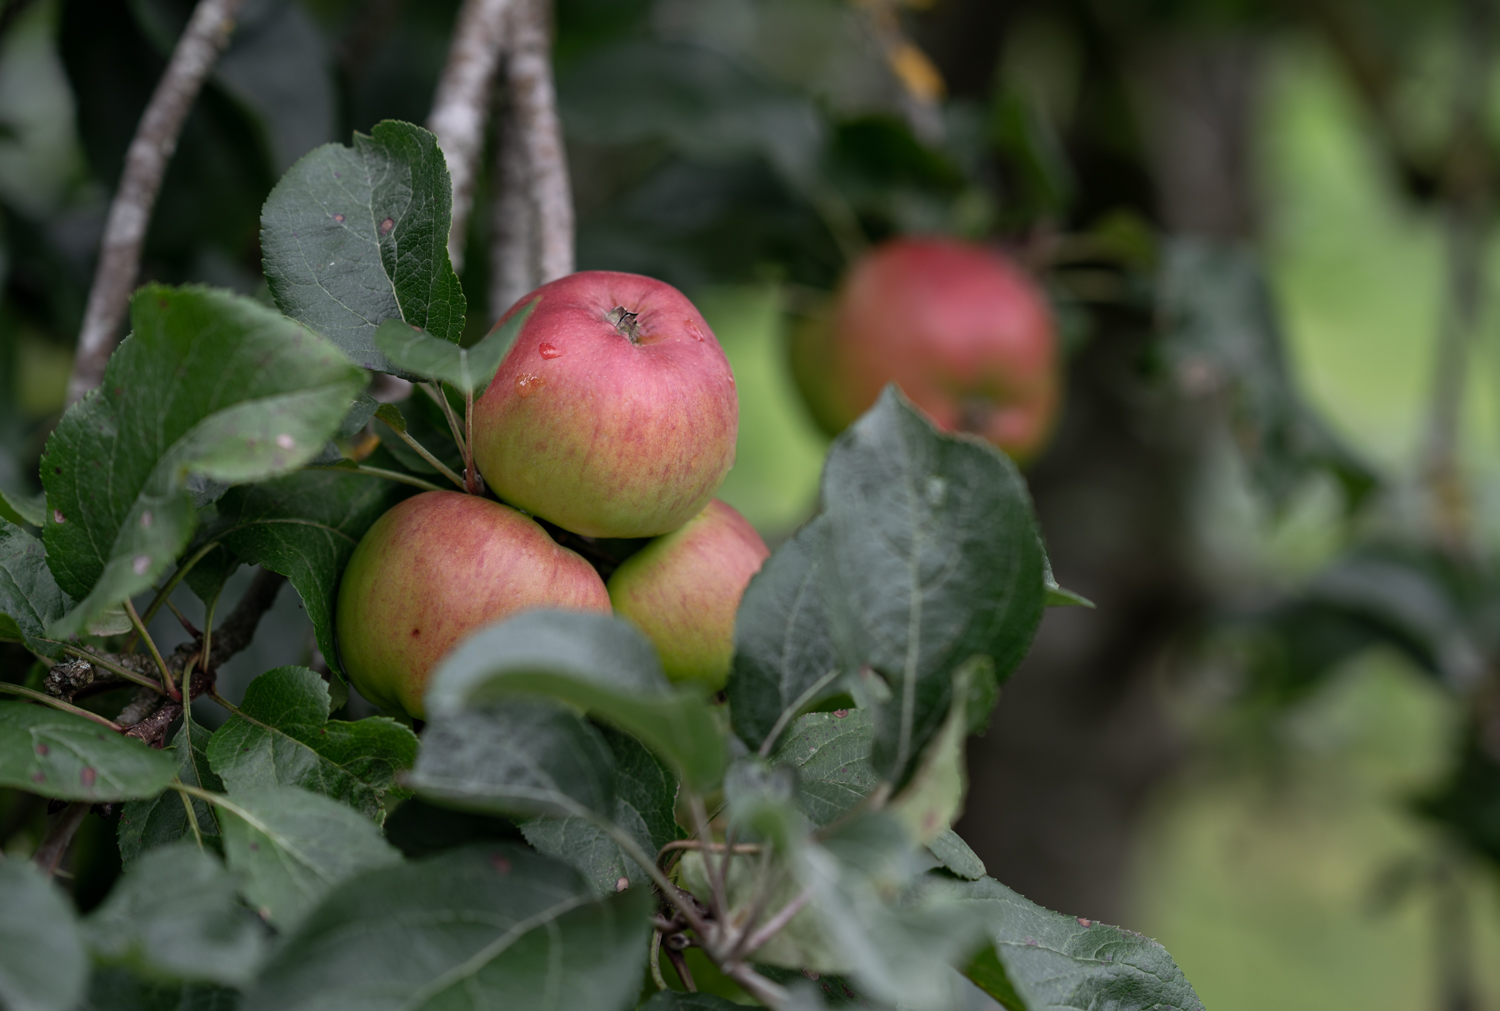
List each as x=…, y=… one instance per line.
x=1062, y=778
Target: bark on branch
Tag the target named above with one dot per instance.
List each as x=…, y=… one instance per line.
x=155, y=140
x=461, y=106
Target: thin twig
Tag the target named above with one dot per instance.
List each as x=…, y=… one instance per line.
x=151, y=149
x=161, y=665
x=182, y=620
x=66, y=707
x=460, y=433
x=50, y=853
x=720, y=903
x=461, y=105
x=166, y=591
x=389, y=475
x=135, y=677
x=774, y=925
x=421, y=450
x=680, y=964
x=533, y=101
x=696, y=846
x=656, y=976
x=632, y=849
x=471, y=476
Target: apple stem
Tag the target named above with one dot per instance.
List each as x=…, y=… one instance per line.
x=468, y=443
x=435, y=391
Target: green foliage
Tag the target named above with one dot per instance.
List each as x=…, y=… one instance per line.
x=282, y=736
x=163, y=819
x=30, y=599
x=354, y=236
x=469, y=370
x=43, y=966
x=175, y=914
x=209, y=386
x=57, y=754
x=485, y=926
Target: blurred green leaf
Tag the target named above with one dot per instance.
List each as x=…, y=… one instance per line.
x=289, y=847
x=30, y=599
x=932, y=559
x=354, y=236
x=117, y=989
x=305, y=526
x=282, y=736
x=485, y=926
x=56, y=754
x=596, y=662
x=43, y=966
x=160, y=820
x=469, y=370
x=23, y=509
x=174, y=913
x=209, y=384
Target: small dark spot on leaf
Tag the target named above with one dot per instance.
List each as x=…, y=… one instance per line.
x=42, y=749
x=339, y=218
x=810, y=974
x=839, y=714
x=1084, y=921
x=386, y=226
x=39, y=776
x=57, y=470
x=255, y=847
x=500, y=863
x=87, y=776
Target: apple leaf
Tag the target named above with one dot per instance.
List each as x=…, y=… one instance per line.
x=147, y=824
x=43, y=965
x=354, y=236
x=174, y=913
x=932, y=558
x=831, y=753
x=282, y=736
x=211, y=385
x=290, y=846
x=645, y=805
x=784, y=658
x=517, y=756
x=1057, y=596
x=596, y=662
x=30, y=599
x=306, y=526
x=468, y=370
x=117, y=989
x=955, y=856
x=487, y=926
x=1038, y=959
x=672, y=1000
x=60, y=755
x=23, y=510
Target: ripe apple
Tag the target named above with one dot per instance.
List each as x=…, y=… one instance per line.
x=683, y=590
x=964, y=332
x=614, y=414
x=435, y=568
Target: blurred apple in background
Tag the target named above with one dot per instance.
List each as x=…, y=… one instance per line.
x=965, y=333
x=435, y=568
x=614, y=414
x=683, y=590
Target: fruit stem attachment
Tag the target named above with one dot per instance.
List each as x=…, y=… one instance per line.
x=471, y=478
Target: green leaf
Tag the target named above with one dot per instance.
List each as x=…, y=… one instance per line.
x=30, y=599
x=174, y=913
x=354, y=236
x=57, y=754
x=596, y=662
x=932, y=559
x=784, y=658
x=1039, y=959
x=23, y=509
x=483, y=927
x=671, y=1000
x=147, y=824
x=289, y=847
x=305, y=526
x=645, y=805
x=955, y=856
x=43, y=966
x=209, y=385
x=281, y=736
x=1056, y=595
x=116, y=989
x=831, y=753
x=468, y=370
x=517, y=756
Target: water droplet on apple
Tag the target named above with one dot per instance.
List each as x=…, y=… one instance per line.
x=527, y=384
x=549, y=351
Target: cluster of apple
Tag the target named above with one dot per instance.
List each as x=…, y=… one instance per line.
x=613, y=417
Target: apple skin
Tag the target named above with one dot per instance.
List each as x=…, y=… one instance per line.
x=609, y=429
x=683, y=590
x=964, y=332
x=435, y=568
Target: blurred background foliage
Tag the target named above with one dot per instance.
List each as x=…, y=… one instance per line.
x=1266, y=229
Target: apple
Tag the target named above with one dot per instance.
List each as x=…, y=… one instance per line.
x=614, y=414
x=435, y=568
x=683, y=590
x=964, y=332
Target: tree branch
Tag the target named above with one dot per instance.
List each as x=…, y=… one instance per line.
x=145, y=165
x=461, y=105
x=50, y=853
x=513, y=271
x=239, y=628
x=533, y=103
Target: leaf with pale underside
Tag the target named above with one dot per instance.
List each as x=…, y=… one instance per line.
x=493, y=926
x=67, y=757
x=210, y=385
x=282, y=736
x=354, y=236
x=289, y=847
x=468, y=370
